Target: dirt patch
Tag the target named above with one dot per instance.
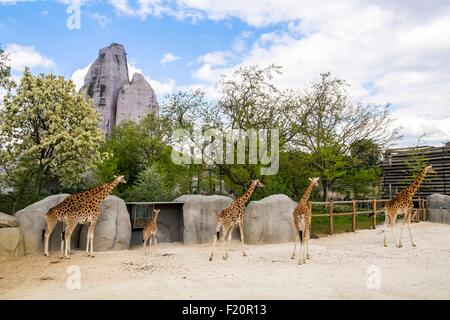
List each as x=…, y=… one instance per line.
x=341, y=267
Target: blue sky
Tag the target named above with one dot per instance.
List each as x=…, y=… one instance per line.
x=42, y=24
x=389, y=52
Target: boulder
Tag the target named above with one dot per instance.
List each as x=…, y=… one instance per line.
x=113, y=229
x=112, y=232
x=200, y=216
x=7, y=221
x=438, y=208
x=32, y=223
x=11, y=242
x=269, y=220
x=438, y=201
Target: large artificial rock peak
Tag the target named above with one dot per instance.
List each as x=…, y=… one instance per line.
x=117, y=99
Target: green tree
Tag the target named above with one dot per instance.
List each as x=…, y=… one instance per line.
x=48, y=132
x=333, y=126
x=150, y=186
x=5, y=72
x=134, y=147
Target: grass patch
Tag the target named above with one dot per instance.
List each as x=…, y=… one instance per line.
x=342, y=223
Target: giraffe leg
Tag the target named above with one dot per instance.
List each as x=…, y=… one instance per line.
x=409, y=229
x=230, y=232
x=63, y=241
x=393, y=232
x=91, y=239
x=386, y=222
x=222, y=241
x=50, y=226
x=68, y=234
x=144, y=245
x=307, y=244
x=216, y=237
x=156, y=243
x=295, y=245
x=241, y=229
x=301, y=234
x=401, y=229
x=150, y=241
x=88, y=242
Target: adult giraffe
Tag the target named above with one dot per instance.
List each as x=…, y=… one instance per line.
x=82, y=207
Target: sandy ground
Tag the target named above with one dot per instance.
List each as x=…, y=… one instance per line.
x=338, y=269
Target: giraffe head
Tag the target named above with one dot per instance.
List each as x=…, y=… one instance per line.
x=429, y=169
x=258, y=183
x=315, y=181
x=121, y=179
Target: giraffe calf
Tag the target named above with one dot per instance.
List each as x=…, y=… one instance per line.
x=150, y=231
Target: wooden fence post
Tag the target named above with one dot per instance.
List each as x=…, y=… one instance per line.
x=424, y=209
x=374, y=211
x=330, y=217
x=354, y=215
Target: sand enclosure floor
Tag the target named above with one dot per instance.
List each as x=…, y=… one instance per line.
x=341, y=267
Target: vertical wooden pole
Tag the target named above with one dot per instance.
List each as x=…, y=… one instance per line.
x=330, y=217
x=353, y=215
x=374, y=211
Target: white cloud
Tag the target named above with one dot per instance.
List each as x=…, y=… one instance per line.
x=101, y=19
x=26, y=56
x=78, y=76
x=216, y=58
x=396, y=53
x=168, y=58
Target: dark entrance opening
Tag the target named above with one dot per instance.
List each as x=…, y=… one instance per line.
x=170, y=220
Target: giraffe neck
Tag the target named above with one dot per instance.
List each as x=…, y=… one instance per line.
x=416, y=183
x=106, y=190
x=246, y=196
x=155, y=217
x=308, y=191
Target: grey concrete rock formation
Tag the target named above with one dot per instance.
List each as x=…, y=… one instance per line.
x=11, y=242
x=200, y=216
x=107, y=78
x=32, y=222
x=269, y=220
x=113, y=230
x=438, y=208
x=136, y=99
x=7, y=221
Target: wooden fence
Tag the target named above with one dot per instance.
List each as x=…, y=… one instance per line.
x=376, y=207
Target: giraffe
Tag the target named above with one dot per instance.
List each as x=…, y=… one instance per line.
x=402, y=203
x=82, y=207
x=302, y=222
x=150, y=230
x=233, y=214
